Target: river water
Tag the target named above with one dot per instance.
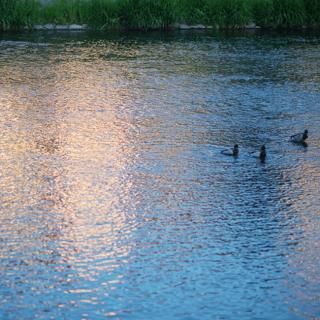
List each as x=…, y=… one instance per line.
x=115, y=199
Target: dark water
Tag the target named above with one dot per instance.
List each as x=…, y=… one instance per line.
x=115, y=199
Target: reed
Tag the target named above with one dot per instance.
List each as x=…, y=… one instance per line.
x=312, y=12
x=160, y=14
x=229, y=13
x=262, y=13
x=191, y=11
x=146, y=14
x=289, y=13
x=17, y=13
x=100, y=14
x=61, y=11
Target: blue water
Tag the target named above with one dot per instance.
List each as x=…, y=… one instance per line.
x=115, y=199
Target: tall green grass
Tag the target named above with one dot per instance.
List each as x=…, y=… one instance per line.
x=61, y=11
x=17, y=13
x=146, y=14
x=96, y=13
x=100, y=14
x=160, y=14
x=239, y=13
x=289, y=13
x=229, y=13
x=262, y=12
x=312, y=8
x=191, y=11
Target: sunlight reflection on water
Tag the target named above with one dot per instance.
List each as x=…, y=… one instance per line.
x=115, y=198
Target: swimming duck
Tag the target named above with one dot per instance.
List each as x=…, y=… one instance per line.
x=234, y=152
x=299, y=137
x=262, y=154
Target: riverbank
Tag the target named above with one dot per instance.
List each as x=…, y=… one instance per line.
x=175, y=26
x=159, y=14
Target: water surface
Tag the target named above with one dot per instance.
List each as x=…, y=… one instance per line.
x=115, y=199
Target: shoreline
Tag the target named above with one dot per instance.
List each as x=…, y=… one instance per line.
x=175, y=26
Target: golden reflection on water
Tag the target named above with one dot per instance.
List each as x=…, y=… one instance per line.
x=65, y=152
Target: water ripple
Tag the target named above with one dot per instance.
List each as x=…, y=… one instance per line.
x=116, y=201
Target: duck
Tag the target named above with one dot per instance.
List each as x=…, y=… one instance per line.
x=262, y=154
x=234, y=152
x=299, y=137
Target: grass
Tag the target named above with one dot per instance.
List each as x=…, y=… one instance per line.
x=160, y=14
x=229, y=13
x=191, y=11
x=96, y=13
x=17, y=13
x=312, y=10
x=146, y=14
x=289, y=13
x=262, y=11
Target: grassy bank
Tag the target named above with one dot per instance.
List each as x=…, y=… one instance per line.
x=149, y=14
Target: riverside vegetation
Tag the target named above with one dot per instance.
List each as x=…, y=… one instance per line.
x=160, y=14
